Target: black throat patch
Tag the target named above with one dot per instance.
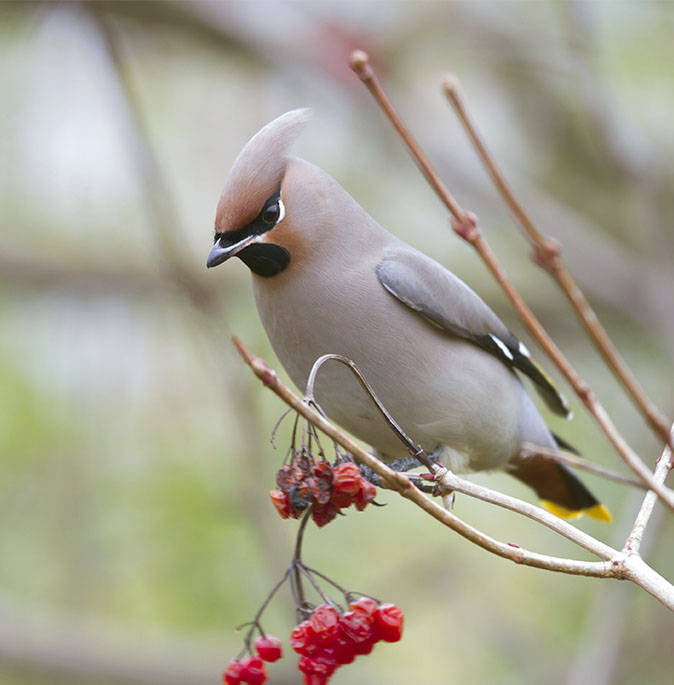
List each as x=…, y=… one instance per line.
x=265, y=259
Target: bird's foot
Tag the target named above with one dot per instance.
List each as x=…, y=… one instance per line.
x=403, y=464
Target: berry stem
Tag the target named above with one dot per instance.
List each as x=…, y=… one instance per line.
x=255, y=623
x=296, y=563
x=294, y=435
x=414, y=449
x=347, y=593
x=272, y=437
x=305, y=572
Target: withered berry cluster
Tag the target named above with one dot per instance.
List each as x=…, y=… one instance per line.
x=325, y=641
x=326, y=488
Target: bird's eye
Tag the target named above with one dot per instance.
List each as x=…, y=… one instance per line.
x=270, y=214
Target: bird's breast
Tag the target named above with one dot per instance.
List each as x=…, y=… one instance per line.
x=435, y=385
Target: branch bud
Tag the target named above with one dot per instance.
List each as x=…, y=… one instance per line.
x=360, y=64
x=468, y=229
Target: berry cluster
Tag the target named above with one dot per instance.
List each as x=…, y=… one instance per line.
x=328, y=639
x=250, y=670
x=327, y=488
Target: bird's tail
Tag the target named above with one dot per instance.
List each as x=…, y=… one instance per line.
x=561, y=491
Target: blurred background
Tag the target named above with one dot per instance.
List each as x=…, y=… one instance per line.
x=135, y=527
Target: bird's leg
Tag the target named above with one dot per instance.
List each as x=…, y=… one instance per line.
x=371, y=476
x=403, y=464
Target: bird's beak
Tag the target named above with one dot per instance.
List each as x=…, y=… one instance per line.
x=219, y=254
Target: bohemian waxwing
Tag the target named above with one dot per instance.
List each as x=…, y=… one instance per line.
x=328, y=278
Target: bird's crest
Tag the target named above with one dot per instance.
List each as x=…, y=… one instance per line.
x=258, y=171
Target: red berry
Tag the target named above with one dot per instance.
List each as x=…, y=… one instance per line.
x=323, y=624
x=388, y=620
x=346, y=478
x=322, y=515
x=341, y=500
x=327, y=660
x=232, y=674
x=268, y=647
x=366, y=494
x=315, y=679
x=344, y=650
x=322, y=469
x=301, y=639
x=356, y=626
x=253, y=671
x=281, y=501
x=286, y=477
x=316, y=666
x=320, y=490
x=365, y=647
x=365, y=605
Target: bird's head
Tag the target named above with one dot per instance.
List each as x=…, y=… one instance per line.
x=254, y=216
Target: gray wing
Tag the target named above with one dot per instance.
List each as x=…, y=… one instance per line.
x=447, y=302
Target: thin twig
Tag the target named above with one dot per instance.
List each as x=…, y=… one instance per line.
x=255, y=623
x=316, y=586
x=272, y=437
x=414, y=449
x=465, y=225
x=662, y=469
x=578, y=462
x=614, y=564
x=360, y=63
x=295, y=578
x=337, y=586
x=548, y=255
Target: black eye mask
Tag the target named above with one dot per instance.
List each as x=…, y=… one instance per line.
x=268, y=217
x=263, y=259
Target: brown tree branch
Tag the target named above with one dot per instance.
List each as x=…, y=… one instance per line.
x=548, y=255
x=466, y=226
x=613, y=564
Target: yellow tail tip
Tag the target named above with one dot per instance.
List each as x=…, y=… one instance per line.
x=598, y=512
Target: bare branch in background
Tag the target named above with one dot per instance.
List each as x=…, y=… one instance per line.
x=548, y=254
x=40, y=274
x=466, y=226
x=161, y=212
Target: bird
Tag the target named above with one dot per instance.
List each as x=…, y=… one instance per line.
x=328, y=279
